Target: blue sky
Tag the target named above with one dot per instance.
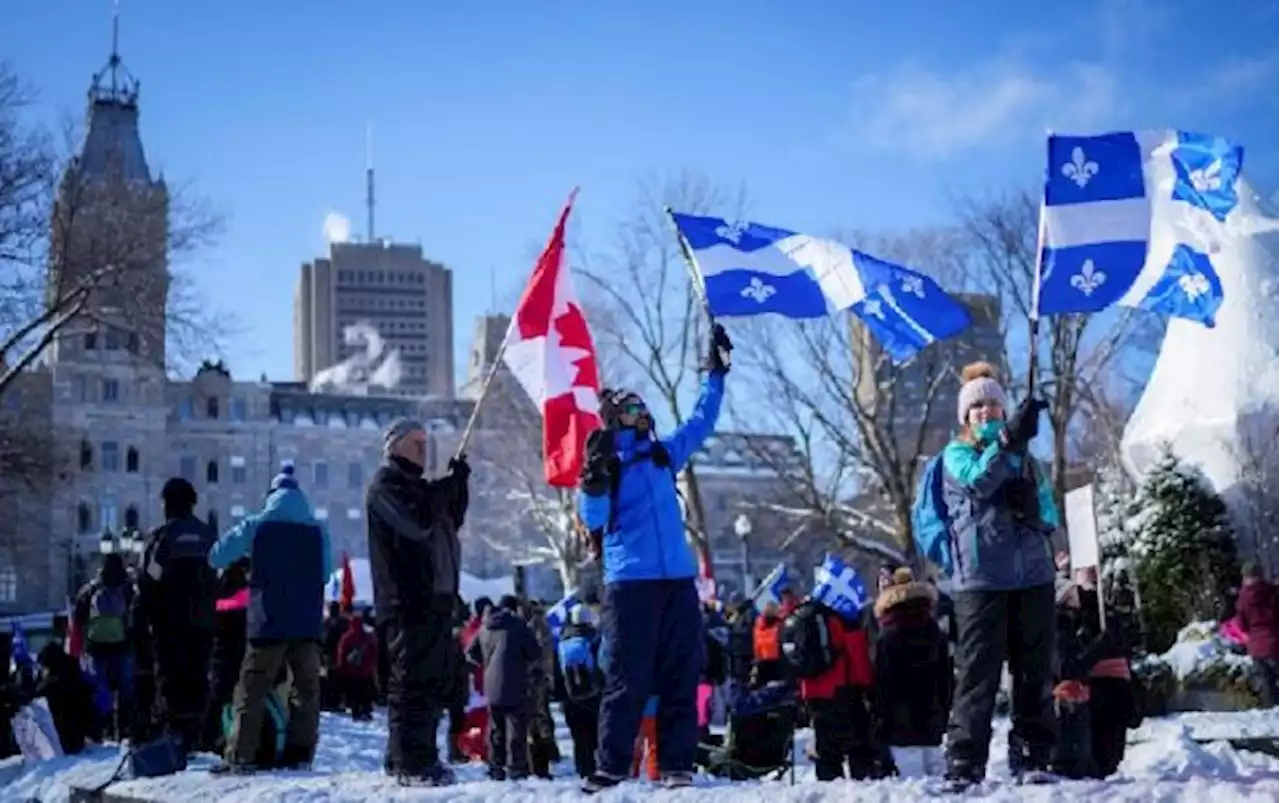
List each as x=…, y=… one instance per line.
x=854, y=114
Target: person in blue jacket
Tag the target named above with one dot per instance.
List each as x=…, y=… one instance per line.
x=651, y=620
x=1002, y=516
x=289, y=564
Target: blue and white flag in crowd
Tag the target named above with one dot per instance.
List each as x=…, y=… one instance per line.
x=838, y=586
x=18, y=649
x=558, y=615
x=750, y=269
x=770, y=591
x=1133, y=219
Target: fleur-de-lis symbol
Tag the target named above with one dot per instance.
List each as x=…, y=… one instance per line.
x=1208, y=178
x=872, y=307
x=758, y=291
x=1088, y=279
x=1079, y=169
x=1194, y=285
x=732, y=231
x=913, y=285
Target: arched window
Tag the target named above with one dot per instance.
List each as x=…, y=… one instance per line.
x=131, y=461
x=86, y=454
x=211, y=472
x=84, y=517
x=213, y=520
x=211, y=407
x=131, y=518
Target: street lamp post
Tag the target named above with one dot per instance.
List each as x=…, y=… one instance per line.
x=742, y=528
x=107, y=543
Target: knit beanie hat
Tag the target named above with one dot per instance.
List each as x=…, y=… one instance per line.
x=285, y=478
x=398, y=429
x=979, y=384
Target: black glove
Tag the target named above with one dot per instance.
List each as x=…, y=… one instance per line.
x=721, y=351
x=597, y=467
x=459, y=468
x=1024, y=426
x=1021, y=497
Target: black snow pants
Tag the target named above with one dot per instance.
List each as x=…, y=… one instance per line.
x=421, y=654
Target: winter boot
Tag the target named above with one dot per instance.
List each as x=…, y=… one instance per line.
x=677, y=780
x=599, y=781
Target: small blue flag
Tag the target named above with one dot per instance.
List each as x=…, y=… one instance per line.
x=838, y=586
x=558, y=615
x=771, y=589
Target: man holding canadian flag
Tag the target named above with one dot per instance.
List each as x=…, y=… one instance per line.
x=651, y=622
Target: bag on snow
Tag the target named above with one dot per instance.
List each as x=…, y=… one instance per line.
x=578, y=665
x=275, y=726
x=162, y=756
x=929, y=518
x=108, y=615
x=806, y=641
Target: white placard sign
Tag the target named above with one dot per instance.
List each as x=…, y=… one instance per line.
x=1082, y=527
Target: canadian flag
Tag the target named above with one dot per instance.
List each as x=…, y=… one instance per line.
x=550, y=352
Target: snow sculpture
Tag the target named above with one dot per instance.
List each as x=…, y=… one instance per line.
x=1214, y=394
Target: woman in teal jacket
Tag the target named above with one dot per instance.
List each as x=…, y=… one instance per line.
x=1001, y=517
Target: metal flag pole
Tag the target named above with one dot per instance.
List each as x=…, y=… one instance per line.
x=485, y=386
x=1033, y=331
x=691, y=264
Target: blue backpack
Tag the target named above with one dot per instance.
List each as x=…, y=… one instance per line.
x=578, y=665
x=929, y=518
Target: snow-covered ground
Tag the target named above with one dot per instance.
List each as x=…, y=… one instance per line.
x=1164, y=763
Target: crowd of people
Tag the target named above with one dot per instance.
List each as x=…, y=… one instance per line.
x=225, y=644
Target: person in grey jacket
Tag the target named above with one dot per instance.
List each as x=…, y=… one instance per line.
x=1001, y=517
x=507, y=649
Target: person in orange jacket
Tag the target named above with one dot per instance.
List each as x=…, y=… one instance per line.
x=767, y=647
x=841, y=706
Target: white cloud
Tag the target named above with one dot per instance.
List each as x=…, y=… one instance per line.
x=934, y=115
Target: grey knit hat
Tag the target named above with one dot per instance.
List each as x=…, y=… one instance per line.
x=978, y=389
x=397, y=429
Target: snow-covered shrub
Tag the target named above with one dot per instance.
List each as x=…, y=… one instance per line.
x=1155, y=685
x=1114, y=493
x=1205, y=661
x=1183, y=550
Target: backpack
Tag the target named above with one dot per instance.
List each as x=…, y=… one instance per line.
x=578, y=665
x=275, y=726
x=805, y=641
x=108, y=615
x=930, y=520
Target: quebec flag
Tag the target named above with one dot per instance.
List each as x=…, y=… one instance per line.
x=838, y=586
x=771, y=589
x=750, y=269
x=558, y=614
x=1133, y=218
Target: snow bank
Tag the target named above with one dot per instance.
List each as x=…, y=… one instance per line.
x=1168, y=765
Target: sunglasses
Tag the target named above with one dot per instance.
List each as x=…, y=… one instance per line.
x=633, y=408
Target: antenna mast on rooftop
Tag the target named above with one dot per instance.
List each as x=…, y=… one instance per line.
x=368, y=178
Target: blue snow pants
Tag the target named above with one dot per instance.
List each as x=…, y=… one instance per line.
x=653, y=644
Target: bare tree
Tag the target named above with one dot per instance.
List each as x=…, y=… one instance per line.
x=864, y=424
x=1255, y=501
x=645, y=313
x=92, y=247
x=1076, y=352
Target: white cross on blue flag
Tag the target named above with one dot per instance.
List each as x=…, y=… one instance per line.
x=838, y=586
x=750, y=269
x=1133, y=219
x=558, y=614
x=771, y=589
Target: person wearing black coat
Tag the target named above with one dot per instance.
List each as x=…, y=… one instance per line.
x=415, y=560
x=335, y=626
x=1075, y=647
x=176, y=591
x=507, y=649
x=913, y=676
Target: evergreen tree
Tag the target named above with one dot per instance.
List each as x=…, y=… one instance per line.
x=1113, y=496
x=1183, y=549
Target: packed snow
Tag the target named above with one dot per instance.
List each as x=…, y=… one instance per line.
x=1164, y=762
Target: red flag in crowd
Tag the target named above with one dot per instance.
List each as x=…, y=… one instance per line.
x=551, y=354
x=347, y=596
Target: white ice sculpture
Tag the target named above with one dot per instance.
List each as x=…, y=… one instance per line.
x=375, y=367
x=1214, y=394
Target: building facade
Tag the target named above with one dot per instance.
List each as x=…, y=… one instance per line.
x=391, y=287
